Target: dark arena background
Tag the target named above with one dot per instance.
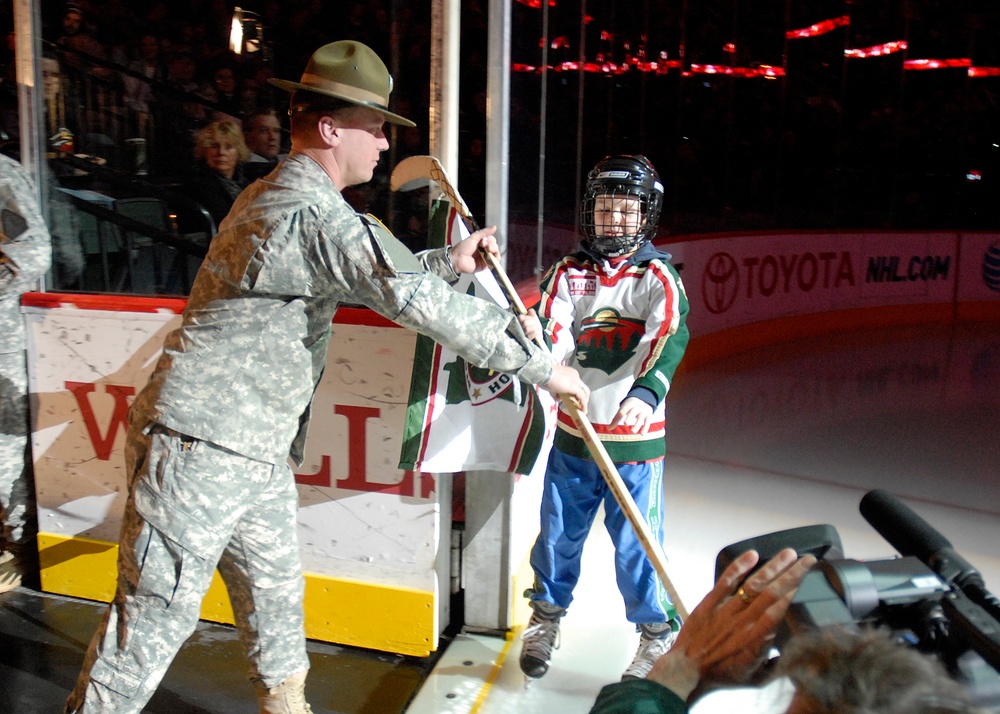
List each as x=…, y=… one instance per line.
x=832, y=201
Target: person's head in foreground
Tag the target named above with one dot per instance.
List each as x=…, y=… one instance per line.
x=837, y=672
x=621, y=205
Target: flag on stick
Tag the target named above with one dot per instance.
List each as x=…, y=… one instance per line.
x=461, y=417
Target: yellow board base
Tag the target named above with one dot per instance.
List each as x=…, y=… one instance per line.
x=347, y=612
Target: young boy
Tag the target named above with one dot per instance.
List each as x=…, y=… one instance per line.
x=616, y=311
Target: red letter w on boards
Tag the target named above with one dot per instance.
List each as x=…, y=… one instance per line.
x=120, y=393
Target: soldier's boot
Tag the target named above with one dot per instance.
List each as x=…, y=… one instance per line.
x=289, y=697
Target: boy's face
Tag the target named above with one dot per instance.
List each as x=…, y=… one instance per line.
x=617, y=215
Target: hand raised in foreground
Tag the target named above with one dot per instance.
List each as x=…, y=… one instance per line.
x=723, y=640
x=466, y=257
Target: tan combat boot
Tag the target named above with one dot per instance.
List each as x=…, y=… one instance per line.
x=289, y=697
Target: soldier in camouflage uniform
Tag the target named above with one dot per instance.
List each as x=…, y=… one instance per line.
x=210, y=435
x=25, y=256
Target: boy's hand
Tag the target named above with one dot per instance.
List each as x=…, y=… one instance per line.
x=635, y=414
x=531, y=325
x=466, y=258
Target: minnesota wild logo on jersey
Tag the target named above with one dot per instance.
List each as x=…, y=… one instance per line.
x=607, y=340
x=479, y=385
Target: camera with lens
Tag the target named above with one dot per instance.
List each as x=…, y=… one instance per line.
x=929, y=598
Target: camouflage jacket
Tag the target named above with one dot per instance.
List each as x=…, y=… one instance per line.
x=25, y=250
x=242, y=368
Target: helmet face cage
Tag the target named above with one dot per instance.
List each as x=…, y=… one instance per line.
x=635, y=186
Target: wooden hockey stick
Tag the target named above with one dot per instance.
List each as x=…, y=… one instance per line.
x=418, y=172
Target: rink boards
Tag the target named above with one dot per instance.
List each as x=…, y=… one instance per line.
x=376, y=540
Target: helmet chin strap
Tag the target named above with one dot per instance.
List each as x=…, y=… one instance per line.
x=614, y=246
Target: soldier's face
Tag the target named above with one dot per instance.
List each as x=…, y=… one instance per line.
x=361, y=141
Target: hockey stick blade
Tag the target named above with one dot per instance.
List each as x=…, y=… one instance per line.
x=418, y=171
x=411, y=169
x=413, y=185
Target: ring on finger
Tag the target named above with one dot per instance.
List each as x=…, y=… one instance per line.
x=744, y=595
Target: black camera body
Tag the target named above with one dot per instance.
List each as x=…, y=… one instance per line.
x=850, y=592
x=902, y=594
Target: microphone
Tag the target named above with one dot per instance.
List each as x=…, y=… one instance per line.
x=912, y=535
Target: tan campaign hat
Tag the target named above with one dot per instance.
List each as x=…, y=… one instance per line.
x=349, y=71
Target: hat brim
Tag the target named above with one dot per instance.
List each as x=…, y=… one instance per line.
x=295, y=86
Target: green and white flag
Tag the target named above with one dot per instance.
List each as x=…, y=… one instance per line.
x=461, y=417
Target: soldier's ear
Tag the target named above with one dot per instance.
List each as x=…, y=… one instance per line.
x=328, y=130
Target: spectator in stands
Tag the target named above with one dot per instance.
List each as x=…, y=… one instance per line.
x=147, y=64
x=262, y=131
x=137, y=92
x=78, y=39
x=179, y=113
x=221, y=91
x=87, y=98
x=10, y=128
x=220, y=152
x=258, y=91
x=182, y=70
x=249, y=93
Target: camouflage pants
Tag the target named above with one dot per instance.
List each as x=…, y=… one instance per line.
x=193, y=505
x=17, y=491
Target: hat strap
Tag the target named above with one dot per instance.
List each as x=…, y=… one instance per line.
x=345, y=90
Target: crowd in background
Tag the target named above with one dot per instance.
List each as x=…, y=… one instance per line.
x=834, y=143
x=141, y=87
x=162, y=71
